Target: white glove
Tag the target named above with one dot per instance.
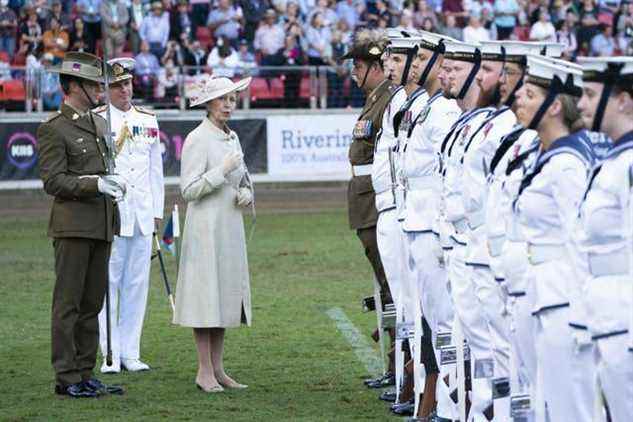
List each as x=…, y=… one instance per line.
x=244, y=197
x=110, y=188
x=231, y=161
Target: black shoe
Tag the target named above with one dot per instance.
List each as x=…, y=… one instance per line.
x=404, y=409
x=389, y=395
x=78, y=391
x=385, y=381
x=397, y=405
x=99, y=388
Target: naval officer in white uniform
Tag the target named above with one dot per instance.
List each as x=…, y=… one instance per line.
x=139, y=161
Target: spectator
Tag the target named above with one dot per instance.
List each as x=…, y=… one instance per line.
x=146, y=68
x=474, y=32
x=345, y=31
x=253, y=11
x=292, y=16
x=625, y=29
x=406, y=21
x=336, y=73
x=223, y=59
x=115, y=19
x=195, y=55
x=181, y=24
x=30, y=32
x=589, y=24
x=55, y=41
x=451, y=29
x=155, y=30
x=167, y=81
x=137, y=14
x=506, y=12
x=543, y=30
x=269, y=40
x=455, y=8
x=246, y=59
x=50, y=90
x=88, y=10
x=603, y=44
x=328, y=15
x=63, y=18
x=566, y=36
x=348, y=11
x=564, y=9
x=78, y=39
x=8, y=26
x=173, y=53
x=5, y=69
x=226, y=21
x=199, y=13
x=373, y=15
x=294, y=57
x=318, y=38
x=481, y=8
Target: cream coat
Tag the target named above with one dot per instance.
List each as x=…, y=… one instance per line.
x=213, y=282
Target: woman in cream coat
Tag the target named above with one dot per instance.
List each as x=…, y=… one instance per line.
x=213, y=290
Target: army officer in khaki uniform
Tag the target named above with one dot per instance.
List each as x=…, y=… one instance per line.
x=73, y=159
x=366, y=51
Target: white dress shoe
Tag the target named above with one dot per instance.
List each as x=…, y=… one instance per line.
x=115, y=368
x=134, y=365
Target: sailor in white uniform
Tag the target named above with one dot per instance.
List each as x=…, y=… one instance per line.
x=465, y=60
x=606, y=229
x=139, y=162
x=430, y=122
x=546, y=206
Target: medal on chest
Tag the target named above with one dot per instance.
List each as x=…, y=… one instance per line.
x=405, y=123
x=464, y=135
x=362, y=129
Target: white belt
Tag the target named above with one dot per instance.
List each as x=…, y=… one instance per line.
x=495, y=245
x=381, y=186
x=460, y=226
x=422, y=182
x=613, y=263
x=476, y=219
x=538, y=254
x=362, y=170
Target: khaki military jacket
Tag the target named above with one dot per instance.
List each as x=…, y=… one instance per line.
x=72, y=147
x=360, y=193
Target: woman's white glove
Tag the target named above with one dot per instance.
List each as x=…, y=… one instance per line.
x=244, y=197
x=231, y=161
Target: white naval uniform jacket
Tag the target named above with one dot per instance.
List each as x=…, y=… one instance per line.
x=502, y=186
x=383, y=171
x=605, y=235
x=429, y=127
x=403, y=122
x=140, y=163
x=547, y=210
x=453, y=174
x=477, y=158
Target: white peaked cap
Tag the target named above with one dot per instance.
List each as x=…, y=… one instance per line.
x=457, y=50
x=596, y=68
x=542, y=70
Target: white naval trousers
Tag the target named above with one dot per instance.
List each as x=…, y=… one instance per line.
x=565, y=373
x=471, y=319
x=611, y=302
x=129, y=269
x=431, y=277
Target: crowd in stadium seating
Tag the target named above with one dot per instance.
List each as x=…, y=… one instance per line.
x=232, y=37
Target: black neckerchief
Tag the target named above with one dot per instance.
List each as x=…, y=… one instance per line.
x=506, y=143
x=487, y=120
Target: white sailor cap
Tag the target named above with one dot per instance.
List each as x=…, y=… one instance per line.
x=604, y=69
x=493, y=50
x=456, y=50
x=432, y=41
x=553, y=49
x=549, y=73
x=128, y=63
x=403, y=44
x=393, y=33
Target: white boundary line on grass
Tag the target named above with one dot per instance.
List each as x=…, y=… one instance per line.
x=364, y=352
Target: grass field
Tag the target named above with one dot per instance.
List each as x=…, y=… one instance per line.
x=298, y=366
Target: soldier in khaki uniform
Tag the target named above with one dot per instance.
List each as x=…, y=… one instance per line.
x=368, y=73
x=74, y=166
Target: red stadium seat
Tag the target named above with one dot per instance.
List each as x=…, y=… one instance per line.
x=4, y=56
x=304, y=88
x=13, y=90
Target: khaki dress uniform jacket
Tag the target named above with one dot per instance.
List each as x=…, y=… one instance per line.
x=82, y=223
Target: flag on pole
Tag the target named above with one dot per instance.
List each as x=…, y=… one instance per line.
x=168, y=236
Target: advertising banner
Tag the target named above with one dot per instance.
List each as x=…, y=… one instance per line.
x=18, y=146
x=310, y=145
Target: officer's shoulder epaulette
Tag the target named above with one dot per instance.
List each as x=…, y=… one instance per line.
x=53, y=116
x=100, y=109
x=144, y=110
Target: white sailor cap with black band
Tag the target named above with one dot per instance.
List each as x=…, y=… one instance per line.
x=557, y=77
x=610, y=71
x=465, y=52
x=493, y=51
x=403, y=44
x=434, y=43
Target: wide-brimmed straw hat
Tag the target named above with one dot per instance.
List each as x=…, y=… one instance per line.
x=213, y=88
x=80, y=65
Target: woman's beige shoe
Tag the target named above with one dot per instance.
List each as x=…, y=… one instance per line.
x=214, y=389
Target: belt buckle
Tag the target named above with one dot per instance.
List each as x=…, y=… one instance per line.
x=529, y=255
